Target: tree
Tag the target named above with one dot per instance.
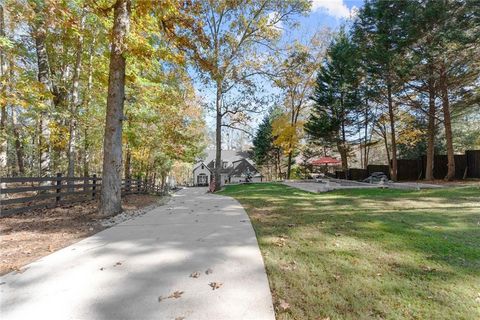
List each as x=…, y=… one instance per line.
x=265, y=152
x=224, y=52
x=111, y=197
x=295, y=76
x=382, y=33
x=336, y=97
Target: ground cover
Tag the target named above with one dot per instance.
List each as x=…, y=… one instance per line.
x=368, y=253
x=28, y=236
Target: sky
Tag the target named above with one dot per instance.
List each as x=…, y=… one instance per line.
x=325, y=13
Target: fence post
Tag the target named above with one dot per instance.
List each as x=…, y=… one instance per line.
x=94, y=187
x=59, y=187
x=139, y=182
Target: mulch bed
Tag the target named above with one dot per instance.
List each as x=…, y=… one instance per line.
x=31, y=235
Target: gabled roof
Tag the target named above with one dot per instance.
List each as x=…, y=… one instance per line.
x=198, y=164
x=243, y=167
x=227, y=155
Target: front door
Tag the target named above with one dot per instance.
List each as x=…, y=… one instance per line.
x=202, y=179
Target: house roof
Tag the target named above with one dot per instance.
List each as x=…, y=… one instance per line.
x=237, y=162
x=242, y=168
x=227, y=155
x=198, y=164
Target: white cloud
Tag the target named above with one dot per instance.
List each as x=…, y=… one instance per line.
x=273, y=21
x=335, y=8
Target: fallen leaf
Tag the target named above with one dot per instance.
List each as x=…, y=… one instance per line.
x=208, y=271
x=336, y=276
x=176, y=295
x=102, y=268
x=215, y=285
x=283, y=305
x=195, y=274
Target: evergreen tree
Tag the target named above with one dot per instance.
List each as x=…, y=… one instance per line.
x=336, y=97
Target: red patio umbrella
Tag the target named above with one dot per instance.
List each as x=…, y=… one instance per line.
x=325, y=161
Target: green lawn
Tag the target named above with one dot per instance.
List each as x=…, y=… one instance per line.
x=368, y=254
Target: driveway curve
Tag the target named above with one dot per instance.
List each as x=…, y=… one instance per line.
x=195, y=258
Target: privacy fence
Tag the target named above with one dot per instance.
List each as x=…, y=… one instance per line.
x=20, y=194
x=466, y=166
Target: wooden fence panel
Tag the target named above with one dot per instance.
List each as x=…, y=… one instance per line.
x=473, y=163
x=22, y=194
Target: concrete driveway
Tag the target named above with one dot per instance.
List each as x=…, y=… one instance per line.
x=151, y=267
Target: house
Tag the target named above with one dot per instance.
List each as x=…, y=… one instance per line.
x=236, y=167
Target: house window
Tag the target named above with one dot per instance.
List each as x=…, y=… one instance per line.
x=224, y=164
x=203, y=167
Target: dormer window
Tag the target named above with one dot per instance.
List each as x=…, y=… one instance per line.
x=203, y=167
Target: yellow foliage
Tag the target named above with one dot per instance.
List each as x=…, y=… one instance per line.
x=287, y=135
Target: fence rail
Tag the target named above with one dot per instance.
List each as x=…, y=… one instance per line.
x=20, y=194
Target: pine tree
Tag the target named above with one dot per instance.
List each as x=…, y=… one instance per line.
x=336, y=97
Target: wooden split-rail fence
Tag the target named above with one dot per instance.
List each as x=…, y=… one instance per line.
x=20, y=194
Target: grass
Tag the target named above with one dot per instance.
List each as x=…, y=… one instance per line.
x=368, y=253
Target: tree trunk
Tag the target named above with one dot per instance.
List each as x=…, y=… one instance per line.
x=365, y=150
x=431, y=127
x=342, y=150
x=40, y=35
x=218, y=136
x=391, y=115
x=383, y=132
x=18, y=145
x=86, y=104
x=289, y=164
x=86, y=167
x=447, y=124
x=111, y=197
x=3, y=115
x=128, y=156
x=74, y=102
x=279, y=161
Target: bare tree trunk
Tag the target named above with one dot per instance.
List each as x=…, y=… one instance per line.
x=74, y=102
x=431, y=127
x=111, y=196
x=391, y=115
x=218, y=136
x=447, y=124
